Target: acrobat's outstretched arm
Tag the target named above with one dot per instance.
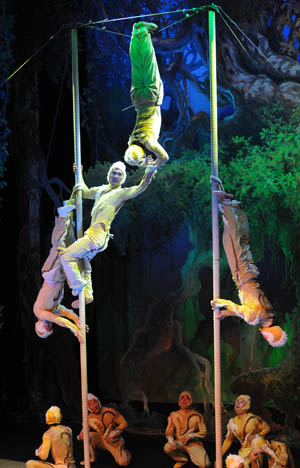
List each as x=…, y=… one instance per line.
x=132, y=192
x=228, y=308
x=52, y=317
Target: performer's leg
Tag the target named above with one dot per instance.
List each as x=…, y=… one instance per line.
x=38, y=464
x=58, y=242
x=87, y=276
x=179, y=455
x=242, y=271
x=117, y=449
x=146, y=84
x=69, y=259
x=197, y=454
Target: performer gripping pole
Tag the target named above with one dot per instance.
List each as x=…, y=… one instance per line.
x=79, y=224
x=215, y=231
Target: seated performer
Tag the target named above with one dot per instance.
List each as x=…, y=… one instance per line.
x=234, y=461
x=184, y=432
x=109, y=425
x=255, y=307
x=57, y=440
x=278, y=453
x=146, y=95
x=108, y=201
x=47, y=307
x=246, y=427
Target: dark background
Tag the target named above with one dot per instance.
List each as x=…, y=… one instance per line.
x=153, y=285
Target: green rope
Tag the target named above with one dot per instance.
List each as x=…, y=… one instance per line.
x=185, y=10
x=108, y=31
x=33, y=55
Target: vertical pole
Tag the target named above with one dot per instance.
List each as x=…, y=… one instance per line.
x=215, y=230
x=79, y=224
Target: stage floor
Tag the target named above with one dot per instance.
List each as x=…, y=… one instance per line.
x=18, y=443
x=10, y=464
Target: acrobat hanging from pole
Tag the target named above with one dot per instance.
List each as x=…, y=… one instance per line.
x=255, y=309
x=47, y=307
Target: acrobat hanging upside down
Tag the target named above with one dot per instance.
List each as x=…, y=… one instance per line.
x=146, y=95
x=255, y=308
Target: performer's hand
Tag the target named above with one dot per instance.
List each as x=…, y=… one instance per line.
x=112, y=435
x=149, y=161
x=76, y=188
x=79, y=336
x=251, y=437
x=254, y=455
x=217, y=304
x=185, y=439
x=78, y=324
x=80, y=436
x=75, y=167
x=173, y=445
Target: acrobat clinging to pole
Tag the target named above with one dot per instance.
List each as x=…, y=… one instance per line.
x=47, y=307
x=146, y=95
x=109, y=199
x=255, y=308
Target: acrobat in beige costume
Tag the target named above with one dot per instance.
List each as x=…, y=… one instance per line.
x=109, y=199
x=255, y=308
x=109, y=425
x=57, y=440
x=245, y=427
x=277, y=452
x=146, y=95
x=184, y=432
x=47, y=307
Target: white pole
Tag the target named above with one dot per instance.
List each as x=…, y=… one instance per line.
x=79, y=224
x=215, y=231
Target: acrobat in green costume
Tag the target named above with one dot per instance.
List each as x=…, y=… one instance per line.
x=146, y=95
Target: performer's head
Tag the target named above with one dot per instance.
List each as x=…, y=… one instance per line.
x=185, y=400
x=117, y=174
x=53, y=415
x=94, y=405
x=135, y=155
x=43, y=328
x=242, y=404
x=234, y=461
x=274, y=335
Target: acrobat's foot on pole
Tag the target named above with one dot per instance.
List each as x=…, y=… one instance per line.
x=77, y=291
x=223, y=195
x=215, y=179
x=63, y=211
x=88, y=300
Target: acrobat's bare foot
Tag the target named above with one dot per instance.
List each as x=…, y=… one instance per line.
x=91, y=461
x=63, y=211
x=142, y=26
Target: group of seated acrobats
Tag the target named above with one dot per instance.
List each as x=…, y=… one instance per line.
x=184, y=433
x=70, y=260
